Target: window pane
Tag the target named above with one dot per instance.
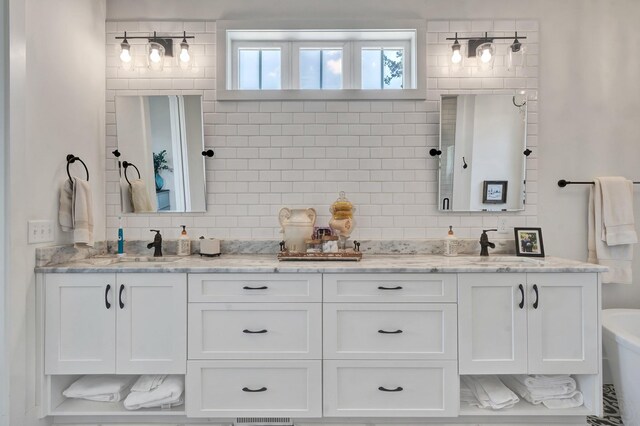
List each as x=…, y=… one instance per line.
x=271, y=69
x=309, y=69
x=371, y=69
x=249, y=69
x=332, y=69
x=393, y=69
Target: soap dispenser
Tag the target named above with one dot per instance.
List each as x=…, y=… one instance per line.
x=451, y=243
x=184, y=243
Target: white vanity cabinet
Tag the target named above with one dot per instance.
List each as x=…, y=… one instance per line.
x=115, y=323
x=534, y=323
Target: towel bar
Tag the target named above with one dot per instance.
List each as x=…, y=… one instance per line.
x=562, y=183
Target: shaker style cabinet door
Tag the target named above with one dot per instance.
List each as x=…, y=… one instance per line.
x=492, y=323
x=80, y=324
x=151, y=323
x=563, y=323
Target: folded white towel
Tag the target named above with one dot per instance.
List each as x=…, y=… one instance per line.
x=148, y=382
x=552, y=391
x=617, y=258
x=82, y=212
x=490, y=392
x=140, y=196
x=617, y=211
x=168, y=394
x=65, y=210
x=102, y=388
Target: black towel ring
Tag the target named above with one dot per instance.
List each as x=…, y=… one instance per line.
x=126, y=165
x=72, y=159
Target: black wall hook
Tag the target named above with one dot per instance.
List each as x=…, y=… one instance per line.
x=72, y=159
x=527, y=152
x=434, y=152
x=464, y=163
x=207, y=153
x=116, y=153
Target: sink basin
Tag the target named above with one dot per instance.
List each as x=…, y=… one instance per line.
x=501, y=259
x=112, y=260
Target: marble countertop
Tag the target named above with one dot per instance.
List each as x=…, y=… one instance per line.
x=368, y=264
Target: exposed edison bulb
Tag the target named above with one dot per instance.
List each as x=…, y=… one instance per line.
x=486, y=55
x=184, y=55
x=125, y=54
x=456, y=56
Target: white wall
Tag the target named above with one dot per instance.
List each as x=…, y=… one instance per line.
x=57, y=108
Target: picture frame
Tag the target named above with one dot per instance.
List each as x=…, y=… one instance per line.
x=494, y=192
x=529, y=242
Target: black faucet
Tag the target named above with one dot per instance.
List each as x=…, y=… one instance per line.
x=485, y=243
x=156, y=244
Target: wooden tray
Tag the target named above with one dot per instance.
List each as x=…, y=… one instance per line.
x=353, y=256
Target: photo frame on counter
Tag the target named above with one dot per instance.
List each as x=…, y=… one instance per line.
x=529, y=242
x=494, y=192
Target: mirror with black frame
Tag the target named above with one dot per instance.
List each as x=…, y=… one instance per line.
x=483, y=141
x=161, y=163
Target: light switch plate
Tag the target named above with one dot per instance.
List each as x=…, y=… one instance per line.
x=40, y=231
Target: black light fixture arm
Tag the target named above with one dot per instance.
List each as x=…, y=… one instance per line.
x=485, y=37
x=154, y=36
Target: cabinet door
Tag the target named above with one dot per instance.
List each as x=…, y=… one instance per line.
x=152, y=323
x=80, y=327
x=563, y=325
x=492, y=323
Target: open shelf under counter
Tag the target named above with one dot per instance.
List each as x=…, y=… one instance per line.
x=82, y=407
x=524, y=408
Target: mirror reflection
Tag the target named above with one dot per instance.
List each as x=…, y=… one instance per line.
x=161, y=139
x=482, y=165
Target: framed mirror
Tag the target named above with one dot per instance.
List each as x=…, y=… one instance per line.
x=161, y=166
x=482, y=164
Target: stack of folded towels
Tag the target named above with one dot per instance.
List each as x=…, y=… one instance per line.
x=555, y=391
x=148, y=391
x=486, y=392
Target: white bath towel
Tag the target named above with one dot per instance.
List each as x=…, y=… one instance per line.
x=75, y=212
x=617, y=211
x=148, y=382
x=552, y=391
x=490, y=392
x=617, y=258
x=101, y=388
x=140, y=196
x=168, y=394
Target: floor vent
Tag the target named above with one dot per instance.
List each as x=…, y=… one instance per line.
x=263, y=421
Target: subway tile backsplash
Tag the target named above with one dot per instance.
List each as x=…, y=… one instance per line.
x=273, y=154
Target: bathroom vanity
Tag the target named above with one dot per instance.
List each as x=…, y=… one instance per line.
x=384, y=340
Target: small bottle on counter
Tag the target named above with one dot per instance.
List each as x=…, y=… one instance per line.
x=120, y=237
x=451, y=243
x=184, y=243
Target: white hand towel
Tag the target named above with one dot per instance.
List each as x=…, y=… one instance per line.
x=169, y=393
x=491, y=392
x=576, y=399
x=148, y=382
x=617, y=258
x=82, y=212
x=617, y=211
x=99, y=388
x=65, y=210
x=140, y=196
x=554, y=392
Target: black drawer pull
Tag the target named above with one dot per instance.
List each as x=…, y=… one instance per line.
x=246, y=287
x=521, y=304
x=106, y=296
x=246, y=389
x=535, y=289
x=389, y=332
x=383, y=389
x=399, y=287
x=120, y=296
x=254, y=332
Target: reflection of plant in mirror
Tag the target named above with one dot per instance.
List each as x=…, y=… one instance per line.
x=160, y=162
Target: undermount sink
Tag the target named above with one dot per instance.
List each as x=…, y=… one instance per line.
x=111, y=260
x=501, y=259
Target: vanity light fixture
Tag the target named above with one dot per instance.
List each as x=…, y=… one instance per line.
x=158, y=48
x=456, y=52
x=484, y=50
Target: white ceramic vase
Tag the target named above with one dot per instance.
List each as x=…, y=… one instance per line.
x=297, y=226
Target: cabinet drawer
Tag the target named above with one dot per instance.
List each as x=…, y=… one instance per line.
x=390, y=287
x=250, y=331
x=255, y=287
x=391, y=389
x=254, y=388
x=410, y=331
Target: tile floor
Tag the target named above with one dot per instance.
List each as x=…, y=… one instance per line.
x=611, y=410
